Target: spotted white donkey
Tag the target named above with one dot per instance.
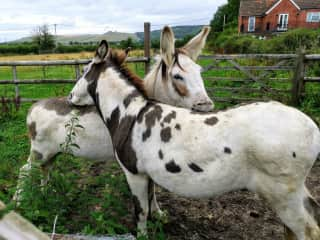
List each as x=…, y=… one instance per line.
x=265, y=147
x=46, y=119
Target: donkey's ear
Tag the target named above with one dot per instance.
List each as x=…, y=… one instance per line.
x=120, y=56
x=101, y=52
x=194, y=47
x=167, y=45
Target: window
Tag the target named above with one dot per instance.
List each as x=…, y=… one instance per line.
x=283, y=22
x=251, y=24
x=313, y=17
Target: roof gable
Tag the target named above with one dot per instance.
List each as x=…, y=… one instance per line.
x=278, y=2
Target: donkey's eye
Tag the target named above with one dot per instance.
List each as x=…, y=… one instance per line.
x=178, y=77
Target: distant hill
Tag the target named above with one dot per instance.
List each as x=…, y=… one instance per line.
x=81, y=38
x=179, y=32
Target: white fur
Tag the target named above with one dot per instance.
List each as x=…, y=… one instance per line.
x=94, y=140
x=262, y=138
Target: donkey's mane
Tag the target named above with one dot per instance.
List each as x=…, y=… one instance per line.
x=118, y=59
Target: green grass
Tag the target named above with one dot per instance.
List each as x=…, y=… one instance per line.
x=89, y=198
x=85, y=201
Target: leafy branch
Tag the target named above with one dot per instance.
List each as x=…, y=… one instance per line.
x=71, y=127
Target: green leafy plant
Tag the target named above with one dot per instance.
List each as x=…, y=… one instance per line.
x=71, y=128
x=155, y=230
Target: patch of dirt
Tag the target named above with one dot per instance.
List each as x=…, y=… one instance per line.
x=239, y=215
x=233, y=216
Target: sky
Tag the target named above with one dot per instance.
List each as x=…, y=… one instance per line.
x=19, y=18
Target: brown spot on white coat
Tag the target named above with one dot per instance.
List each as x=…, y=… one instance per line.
x=211, y=121
x=172, y=167
x=165, y=134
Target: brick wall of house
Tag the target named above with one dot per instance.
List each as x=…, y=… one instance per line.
x=297, y=18
x=302, y=19
x=285, y=7
x=244, y=20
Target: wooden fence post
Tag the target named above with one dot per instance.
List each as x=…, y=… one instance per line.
x=44, y=72
x=13, y=226
x=77, y=69
x=147, y=45
x=15, y=79
x=298, y=78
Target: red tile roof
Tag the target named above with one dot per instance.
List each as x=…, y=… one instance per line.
x=308, y=4
x=259, y=7
x=254, y=7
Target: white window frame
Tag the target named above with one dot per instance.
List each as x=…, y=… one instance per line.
x=252, y=18
x=311, y=16
x=284, y=27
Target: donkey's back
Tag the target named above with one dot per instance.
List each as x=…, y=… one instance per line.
x=253, y=146
x=47, y=121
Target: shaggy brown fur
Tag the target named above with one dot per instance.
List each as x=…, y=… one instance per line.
x=118, y=59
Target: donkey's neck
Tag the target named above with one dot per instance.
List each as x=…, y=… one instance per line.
x=117, y=98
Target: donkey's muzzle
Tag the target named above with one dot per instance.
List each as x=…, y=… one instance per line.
x=206, y=106
x=69, y=99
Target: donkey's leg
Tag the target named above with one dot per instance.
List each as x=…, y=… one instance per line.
x=289, y=206
x=35, y=158
x=154, y=206
x=291, y=211
x=139, y=186
x=313, y=209
x=23, y=173
x=312, y=206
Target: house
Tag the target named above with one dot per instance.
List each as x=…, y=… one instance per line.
x=269, y=16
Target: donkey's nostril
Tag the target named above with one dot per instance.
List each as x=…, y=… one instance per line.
x=205, y=106
x=69, y=99
x=204, y=103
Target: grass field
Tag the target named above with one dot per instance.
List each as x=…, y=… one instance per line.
x=88, y=198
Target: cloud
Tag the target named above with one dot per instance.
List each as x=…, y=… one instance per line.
x=18, y=18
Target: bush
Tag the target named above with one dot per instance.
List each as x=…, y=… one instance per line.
x=230, y=42
x=74, y=48
x=20, y=48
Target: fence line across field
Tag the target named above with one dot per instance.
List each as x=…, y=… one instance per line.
x=260, y=76
x=297, y=82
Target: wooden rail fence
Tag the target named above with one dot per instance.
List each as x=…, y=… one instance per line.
x=75, y=63
x=282, y=77
x=229, y=78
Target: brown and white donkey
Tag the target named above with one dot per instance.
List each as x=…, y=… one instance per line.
x=265, y=147
x=46, y=119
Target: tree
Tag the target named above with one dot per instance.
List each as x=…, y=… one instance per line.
x=127, y=43
x=183, y=41
x=226, y=14
x=43, y=38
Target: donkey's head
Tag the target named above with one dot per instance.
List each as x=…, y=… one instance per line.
x=83, y=93
x=178, y=77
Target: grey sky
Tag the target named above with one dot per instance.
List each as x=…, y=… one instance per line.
x=19, y=17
